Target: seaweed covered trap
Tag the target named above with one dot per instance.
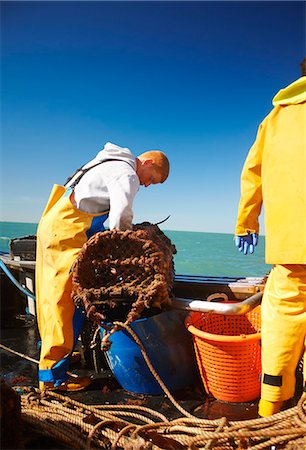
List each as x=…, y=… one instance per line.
x=124, y=270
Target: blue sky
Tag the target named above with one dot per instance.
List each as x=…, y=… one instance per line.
x=193, y=79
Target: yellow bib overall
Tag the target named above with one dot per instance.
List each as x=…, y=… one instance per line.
x=62, y=231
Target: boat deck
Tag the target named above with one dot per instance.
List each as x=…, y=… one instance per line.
x=18, y=371
x=19, y=357
x=22, y=339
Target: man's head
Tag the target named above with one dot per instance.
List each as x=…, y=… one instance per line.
x=152, y=167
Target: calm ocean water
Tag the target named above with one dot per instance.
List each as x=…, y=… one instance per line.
x=211, y=254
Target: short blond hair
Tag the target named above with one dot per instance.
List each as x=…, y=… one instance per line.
x=160, y=161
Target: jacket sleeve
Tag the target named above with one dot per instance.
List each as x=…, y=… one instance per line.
x=251, y=187
x=122, y=191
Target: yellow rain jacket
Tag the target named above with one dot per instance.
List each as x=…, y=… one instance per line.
x=274, y=173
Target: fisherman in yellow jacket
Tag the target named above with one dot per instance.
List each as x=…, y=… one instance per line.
x=274, y=175
x=103, y=188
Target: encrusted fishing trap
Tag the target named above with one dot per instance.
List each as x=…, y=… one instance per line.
x=131, y=269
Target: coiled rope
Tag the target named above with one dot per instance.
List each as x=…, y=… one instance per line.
x=80, y=426
x=133, y=427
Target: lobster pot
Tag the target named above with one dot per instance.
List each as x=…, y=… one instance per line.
x=133, y=266
x=228, y=353
x=168, y=346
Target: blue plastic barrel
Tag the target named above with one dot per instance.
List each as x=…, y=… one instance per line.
x=169, y=347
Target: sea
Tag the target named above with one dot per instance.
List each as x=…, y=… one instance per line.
x=198, y=253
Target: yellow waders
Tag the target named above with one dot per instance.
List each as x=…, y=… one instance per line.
x=283, y=330
x=62, y=231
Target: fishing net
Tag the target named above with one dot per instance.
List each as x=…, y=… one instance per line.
x=130, y=270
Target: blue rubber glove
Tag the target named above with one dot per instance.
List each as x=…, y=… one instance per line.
x=246, y=243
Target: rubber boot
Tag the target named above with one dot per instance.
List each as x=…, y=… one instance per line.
x=71, y=385
x=266, y=408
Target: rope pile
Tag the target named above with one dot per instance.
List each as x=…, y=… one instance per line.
x=124, y=267
x=133, y=427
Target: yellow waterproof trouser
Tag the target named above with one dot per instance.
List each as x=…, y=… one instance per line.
x=283, y=330
x=61, y=233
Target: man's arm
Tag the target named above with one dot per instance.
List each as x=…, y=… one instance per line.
x=251, y=189
x=122, y=190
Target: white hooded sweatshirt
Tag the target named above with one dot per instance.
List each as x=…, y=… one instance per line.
x=111, y=186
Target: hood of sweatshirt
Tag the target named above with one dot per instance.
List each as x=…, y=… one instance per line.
x=291, y=95
x=112, y=151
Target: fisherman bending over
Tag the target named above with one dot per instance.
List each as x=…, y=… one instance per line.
x=103, y=188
